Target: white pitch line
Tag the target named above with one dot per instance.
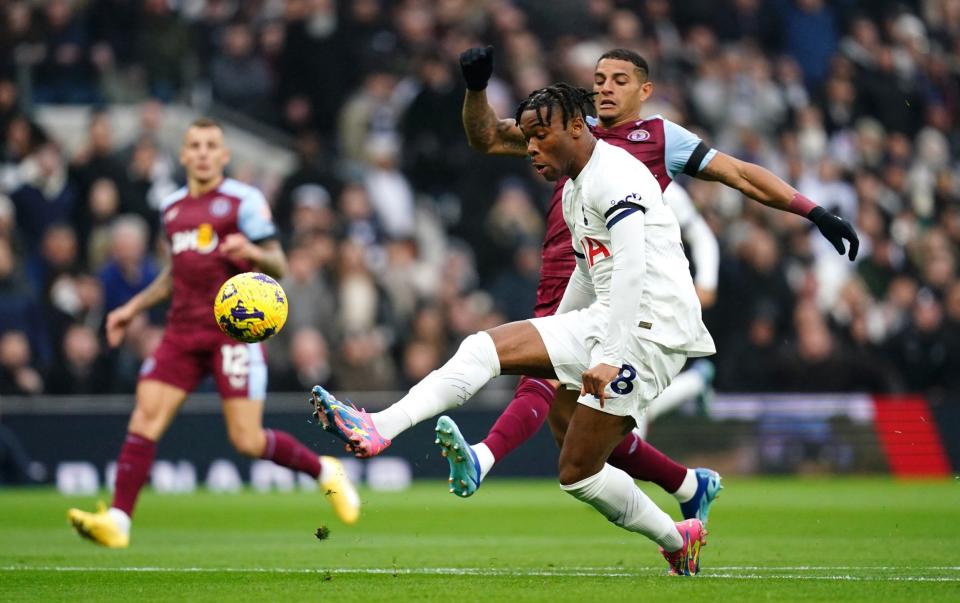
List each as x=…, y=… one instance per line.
x=492, y=572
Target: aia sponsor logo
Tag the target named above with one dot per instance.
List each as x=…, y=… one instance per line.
x=594, y=249
x=202, y=239
x=638, y=135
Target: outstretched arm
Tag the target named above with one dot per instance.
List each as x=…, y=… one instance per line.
x=764, y=186
x=486, y=132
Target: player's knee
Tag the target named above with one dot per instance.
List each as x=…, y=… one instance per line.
x=479, y=350
x=147, y=420
x=248, y=442
x=572, y=470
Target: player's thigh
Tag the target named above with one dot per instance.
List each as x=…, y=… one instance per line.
x=521, y=350
x=239, y=369
x=157, y=404
x=568, y=339
x=591, y=437
x=244, y=420
x=561, y=411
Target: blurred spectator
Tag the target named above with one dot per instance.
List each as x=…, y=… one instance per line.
x=240, y=77
x=149, y=178
x=363, y=364
x=312, y=212
x=513, y=221
x=80, y=369
x=407, y=279
x=76, y=300
x=515, y=291
x=309, y=363
x=360, y=222
x=103, y=205
x=97, y=159
x=389, y=191
x=17, y=375
x=163, y=44
x=372, y=110
x=361, y=304
x=313, y=169
x=129, y=269
x=435, y=150
x=58, y=256
x=820, y=363
x=65, y=74
x=311, y=300
x=9, y=100
x=811, y=36
x=755, y=351
x=21, y=308
x=923, y=351
x=45, y=195
x=419, y=360
x=312, y=46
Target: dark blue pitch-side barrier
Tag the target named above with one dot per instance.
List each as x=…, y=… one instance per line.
x=75, y=440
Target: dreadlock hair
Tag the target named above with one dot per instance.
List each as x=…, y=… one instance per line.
x=623, y=54
x=572, y=100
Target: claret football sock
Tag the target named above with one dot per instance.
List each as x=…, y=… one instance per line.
x=473, y=366
x=133, y=470
x=522, y=418
x=284, y=449
x=644, y=462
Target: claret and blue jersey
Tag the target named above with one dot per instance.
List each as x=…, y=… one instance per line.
x=666, y=148
x=194, y=228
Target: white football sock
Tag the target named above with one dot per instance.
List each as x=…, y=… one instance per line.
x=613, y=493
x=472, y=367
x=485, y=457
x=688, y=487
x=120, y=518
x=685, y=386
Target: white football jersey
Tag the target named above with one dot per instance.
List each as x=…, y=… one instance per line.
x=612, y=187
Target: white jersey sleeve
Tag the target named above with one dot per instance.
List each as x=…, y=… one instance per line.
x=704, y=247
x=579, y=292
x=623, y=202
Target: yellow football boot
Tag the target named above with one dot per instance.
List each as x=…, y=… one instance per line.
x=339, y=491
x=99, y=527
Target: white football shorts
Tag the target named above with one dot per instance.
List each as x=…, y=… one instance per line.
x=573, y=341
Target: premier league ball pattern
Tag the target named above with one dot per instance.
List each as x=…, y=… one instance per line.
x=250, y=307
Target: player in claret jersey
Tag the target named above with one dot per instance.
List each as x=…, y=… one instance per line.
x=215, y=228
x=621, y=86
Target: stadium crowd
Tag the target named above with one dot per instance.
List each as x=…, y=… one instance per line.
x=402, y=240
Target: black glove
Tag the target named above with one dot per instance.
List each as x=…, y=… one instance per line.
x=477, y=67
x=835, y=229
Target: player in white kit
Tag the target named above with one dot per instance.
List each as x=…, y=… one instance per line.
x=628, y=320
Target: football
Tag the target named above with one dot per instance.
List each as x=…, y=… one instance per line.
x=250, y=307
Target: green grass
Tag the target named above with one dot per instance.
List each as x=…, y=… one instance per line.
x=770, y=540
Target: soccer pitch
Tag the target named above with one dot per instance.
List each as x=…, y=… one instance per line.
x=772, y=539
